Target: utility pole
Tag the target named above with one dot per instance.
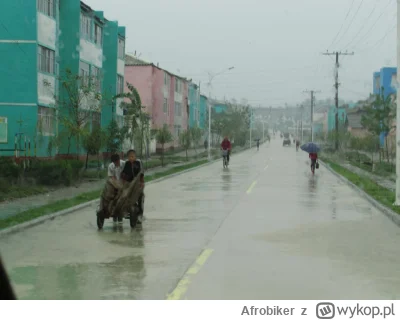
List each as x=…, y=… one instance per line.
x=312, y=92
x=397, y=202
x=301, y=122
x=251, y=120
x=337, y=54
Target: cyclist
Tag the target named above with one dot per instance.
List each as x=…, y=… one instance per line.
x=314, y=158
x=226, y=145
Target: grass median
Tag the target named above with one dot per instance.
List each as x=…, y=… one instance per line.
x=82, y=198
x=379, y=193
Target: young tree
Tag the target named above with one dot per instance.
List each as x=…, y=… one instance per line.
x=132, y=110
x=380, y=115
x=185, y=140
x=113, y=137
x=196, y=134
x=80, y=96
x=163, y=136
x=93, y=142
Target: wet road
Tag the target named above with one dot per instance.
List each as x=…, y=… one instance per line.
x=262, y=229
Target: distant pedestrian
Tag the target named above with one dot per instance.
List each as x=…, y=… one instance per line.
x=205, y=144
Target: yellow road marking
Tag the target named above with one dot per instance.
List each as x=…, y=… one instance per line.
x=251, y=187
x=184, y=283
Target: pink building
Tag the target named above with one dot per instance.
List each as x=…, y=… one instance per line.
x=164, y=95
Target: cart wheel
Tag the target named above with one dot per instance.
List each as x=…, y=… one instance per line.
x=133, y=217
x=100, y=222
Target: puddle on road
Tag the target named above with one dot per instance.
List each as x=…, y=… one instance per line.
x=120, y=279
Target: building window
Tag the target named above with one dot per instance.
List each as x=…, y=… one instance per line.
x=178, y=86
x=98, y=35
x=166, y=79
x=96, y=120
x=47, y=7
x=46, y=119
x=121, y=48
x=84, y=72
x=165, y=106
x=86, y=26
x=46, y=60
x=120, y=84
x=178, y=109
x=96, y=77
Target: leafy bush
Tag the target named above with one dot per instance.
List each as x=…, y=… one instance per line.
x=8, y=169
x=55, y=172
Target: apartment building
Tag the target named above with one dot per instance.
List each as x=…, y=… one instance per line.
x=36, y=48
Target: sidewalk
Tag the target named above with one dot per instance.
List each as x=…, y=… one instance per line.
x=386, y=183
x=10, y=208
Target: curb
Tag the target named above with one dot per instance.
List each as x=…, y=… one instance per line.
x=395, y=217
x=34, y=222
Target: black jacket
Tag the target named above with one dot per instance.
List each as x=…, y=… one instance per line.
x=131, y=170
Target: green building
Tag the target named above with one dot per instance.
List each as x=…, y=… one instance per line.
x=36, y=49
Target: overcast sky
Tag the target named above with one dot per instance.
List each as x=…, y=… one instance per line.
x=275, y=46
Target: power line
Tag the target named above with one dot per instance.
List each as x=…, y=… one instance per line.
x=380, y=40
x=359, y=31
x=352, y=20
x=374, y=24
x=347, y=15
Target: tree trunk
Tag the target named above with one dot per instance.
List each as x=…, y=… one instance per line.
x=77, y=148
x=98, y=160
x=162, y=155
x=69, y=145
x=87, y=159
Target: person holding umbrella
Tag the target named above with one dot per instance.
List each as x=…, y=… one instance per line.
x=312, y=149
x=314, y=157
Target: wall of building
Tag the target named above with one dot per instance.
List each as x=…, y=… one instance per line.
x=18, y=67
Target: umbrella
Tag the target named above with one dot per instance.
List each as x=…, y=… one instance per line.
x=310, y=147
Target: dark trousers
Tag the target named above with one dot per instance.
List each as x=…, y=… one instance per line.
x=313, y=162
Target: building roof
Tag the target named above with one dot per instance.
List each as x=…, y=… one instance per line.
x=132, y=61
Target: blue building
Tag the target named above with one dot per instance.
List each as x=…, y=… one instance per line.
x=386, y=80
x=36, y=48
x=194, y=105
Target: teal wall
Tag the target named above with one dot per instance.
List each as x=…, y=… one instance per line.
x=110, y=51
x=203, y=112
x=332, y=117
x=193, y=104
x=20, y=20
x=69, y=44
x=69, y=35
x=18, y=70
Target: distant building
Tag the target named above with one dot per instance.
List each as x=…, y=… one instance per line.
x=164, y=95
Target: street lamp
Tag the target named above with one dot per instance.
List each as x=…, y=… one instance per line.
x=209, y=109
